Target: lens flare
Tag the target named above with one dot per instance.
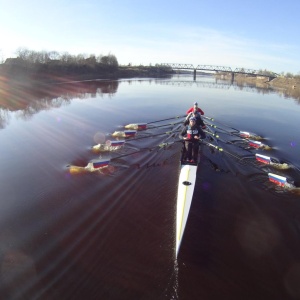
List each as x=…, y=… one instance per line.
x=99, y=138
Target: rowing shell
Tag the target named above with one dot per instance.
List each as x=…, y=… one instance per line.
x=186, y=185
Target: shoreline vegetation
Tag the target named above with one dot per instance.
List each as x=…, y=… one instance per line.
x=36, y=68
x=52, y=67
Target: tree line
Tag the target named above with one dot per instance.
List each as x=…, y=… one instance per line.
x=27, y=56
x=54, y=66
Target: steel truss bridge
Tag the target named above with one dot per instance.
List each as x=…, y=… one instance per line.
x=219, y=69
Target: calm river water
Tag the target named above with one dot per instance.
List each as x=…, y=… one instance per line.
x=111, y=234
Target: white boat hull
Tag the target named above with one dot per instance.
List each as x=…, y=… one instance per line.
x=186, y=185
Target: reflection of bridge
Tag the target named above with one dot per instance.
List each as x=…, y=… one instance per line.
x=220, y=69
x=216, y=85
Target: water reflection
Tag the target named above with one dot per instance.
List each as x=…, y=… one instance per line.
x=29, y=98
x=260, y=88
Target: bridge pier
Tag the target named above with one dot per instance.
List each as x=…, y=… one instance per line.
x=194, y=74
x=232, y=77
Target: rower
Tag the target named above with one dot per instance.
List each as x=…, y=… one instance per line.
x=191, y=134
x=195, y=107
x=195, y=114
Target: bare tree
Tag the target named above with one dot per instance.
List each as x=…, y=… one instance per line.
x=109, y=60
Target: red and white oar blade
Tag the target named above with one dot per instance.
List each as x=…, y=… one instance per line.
x=263, y=159
x=141, y=126
x=129, y=133
x=119, y=143
x=254, y=144
x=244, y=134
x=98, y=164
x=277, y=179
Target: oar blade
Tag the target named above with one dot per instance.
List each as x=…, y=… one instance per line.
x=244, y=134
x=125, y=133
x=117, y=143
x=263, y=159
x=136, y=126
x=277, y=179
x=254, y=144
x=97, y=164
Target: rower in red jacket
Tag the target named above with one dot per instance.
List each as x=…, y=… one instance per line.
x=195, y=107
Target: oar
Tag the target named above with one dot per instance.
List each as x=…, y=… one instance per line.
x=159, y=146
x=251, y=143
x=164, y=145
x=272, y=162
x=241, y=134
x=176, y=117
x=158, y=134
x=280, y=180
x=237, y=157
x=277, y=179
x=213, y=120
x=109, y=146
x=143, y=126
x=92, y=166
x=119, y=144
x=129, y=134
x=238, y=133
x=124, y=134
x=103, y=163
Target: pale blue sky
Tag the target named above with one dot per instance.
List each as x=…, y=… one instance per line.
x=254, y=34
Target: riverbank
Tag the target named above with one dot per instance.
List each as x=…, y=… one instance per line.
x=287, y=87
x=48, y=74
x=279, y=82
